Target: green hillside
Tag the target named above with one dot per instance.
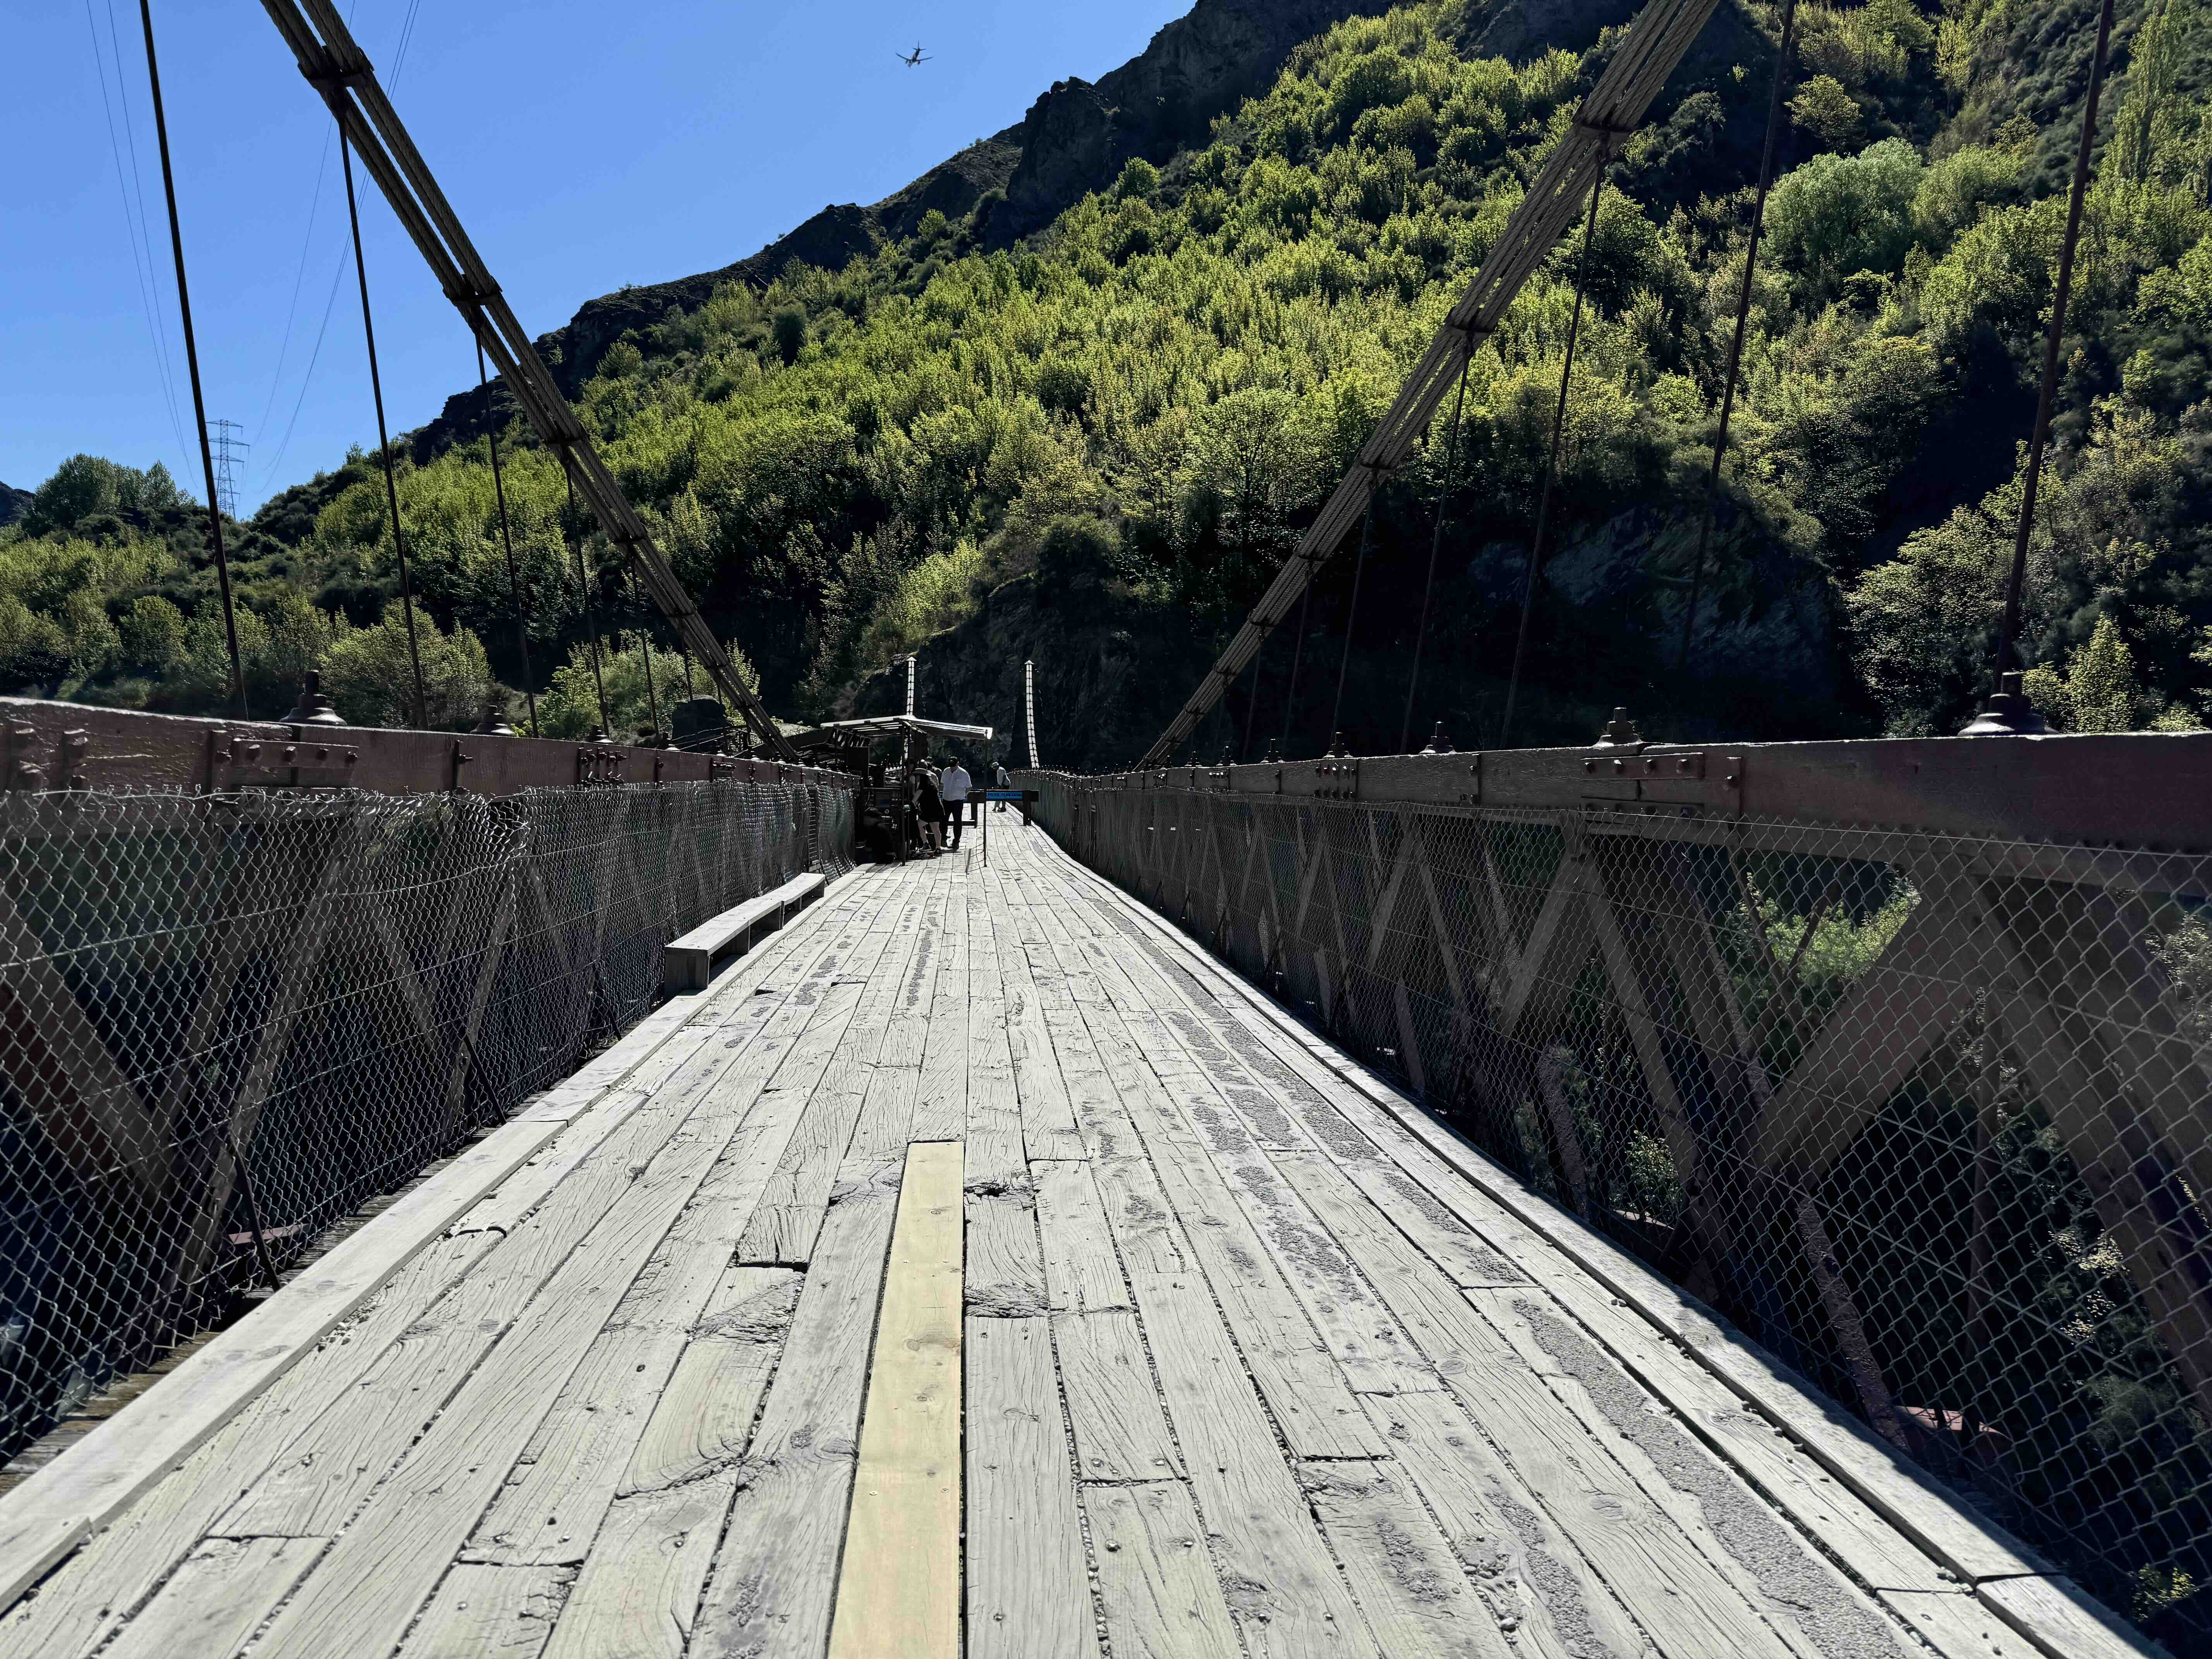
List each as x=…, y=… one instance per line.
x=1095, y=443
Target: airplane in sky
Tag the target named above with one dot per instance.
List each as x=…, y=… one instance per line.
x=917, y=58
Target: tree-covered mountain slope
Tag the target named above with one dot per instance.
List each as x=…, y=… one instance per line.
x=1074, y=398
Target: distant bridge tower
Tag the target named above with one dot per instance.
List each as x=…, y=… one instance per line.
x=230, y=452
x=1028, y=708
x=912, y=657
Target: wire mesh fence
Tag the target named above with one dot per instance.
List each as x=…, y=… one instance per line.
x=1928, y=1115
x=229, y=1014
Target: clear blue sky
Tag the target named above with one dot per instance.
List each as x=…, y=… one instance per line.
x=584, y=145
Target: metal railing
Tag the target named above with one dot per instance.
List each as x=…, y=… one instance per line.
x=1925, y=1109
x=228, y=1019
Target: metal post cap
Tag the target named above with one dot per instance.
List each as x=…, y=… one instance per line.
x=313, y=708
x=495, y=723
x=1619, y=732
x=2008, y=714
x=1438, y=743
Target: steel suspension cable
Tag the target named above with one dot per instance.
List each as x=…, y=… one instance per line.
x=383, y=440
x=506, y=543
x=2008, y=627
x=1552, y=464
x=1298, y=655
x=192, y=364
x=591, y=617
x=1436, y=545
x=1742, y=317
x=645, y=656
x=1350, y=622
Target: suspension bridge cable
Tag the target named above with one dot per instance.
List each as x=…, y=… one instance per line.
x=645, y=655
x=383, y=441
x=1435, y=545
x=192, y=363
x=2008, y=627
x=506, y=544
x=591, y=616
x=134, y=229
x=1552, y=464
x=1298, y=655
x=1742, y=316
x=1350, y=622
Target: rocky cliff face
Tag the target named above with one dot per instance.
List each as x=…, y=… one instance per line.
x=14, y=503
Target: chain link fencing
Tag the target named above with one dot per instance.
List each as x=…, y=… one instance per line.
x=226, y=1014
x=1928, y=1115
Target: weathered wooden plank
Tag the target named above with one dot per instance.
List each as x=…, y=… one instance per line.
x=1528, y=1575
x=784, y=1225
x=1358, y=1333
x=1290, y=1600
x=329, y=1468
x=575, y=1463
x=119, y=1462
x=1163, y=1600
x=213, y=1602
x=387, y=1562
x=1048, y=1128
x=899, y=1587
x=1081, y=1273
x=490, y=1613
x=2062, y=1619
x=941, y=1107
x=1460, y=1178
x=776, y=1571
x=1454, y=1341
x=1029, y=1594
x=705, y=1414
x=1959, y=1624
x=1120, y=1433
x=1005, y=1268
x=638, y=1592
x=1311, y=1401
x=1410, y=1585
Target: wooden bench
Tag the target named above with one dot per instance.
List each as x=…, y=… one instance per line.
x=688, y=961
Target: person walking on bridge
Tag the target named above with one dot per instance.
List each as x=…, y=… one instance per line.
x=954, y=787
x=928, y=808
x=1000, y=780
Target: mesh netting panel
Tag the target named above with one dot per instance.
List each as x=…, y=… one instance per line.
x=220, y=1011
x=1930, y=1117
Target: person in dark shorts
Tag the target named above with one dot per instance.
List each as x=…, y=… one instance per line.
x=929, y=807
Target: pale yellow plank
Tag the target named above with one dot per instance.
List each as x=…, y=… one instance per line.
x=899, y=1590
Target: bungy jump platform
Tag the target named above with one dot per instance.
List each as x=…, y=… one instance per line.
x=979, y=1267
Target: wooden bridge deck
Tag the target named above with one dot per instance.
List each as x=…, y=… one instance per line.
x=977, y=1268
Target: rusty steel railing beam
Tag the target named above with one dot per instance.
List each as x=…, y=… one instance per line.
x=336, y=67
x=2116, y=791
x=59, y=745
x=1614, y=109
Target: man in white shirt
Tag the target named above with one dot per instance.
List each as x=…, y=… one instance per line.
x=953, y=786
x=1001, y=781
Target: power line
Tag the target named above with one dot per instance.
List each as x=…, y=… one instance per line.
x=134, y=233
